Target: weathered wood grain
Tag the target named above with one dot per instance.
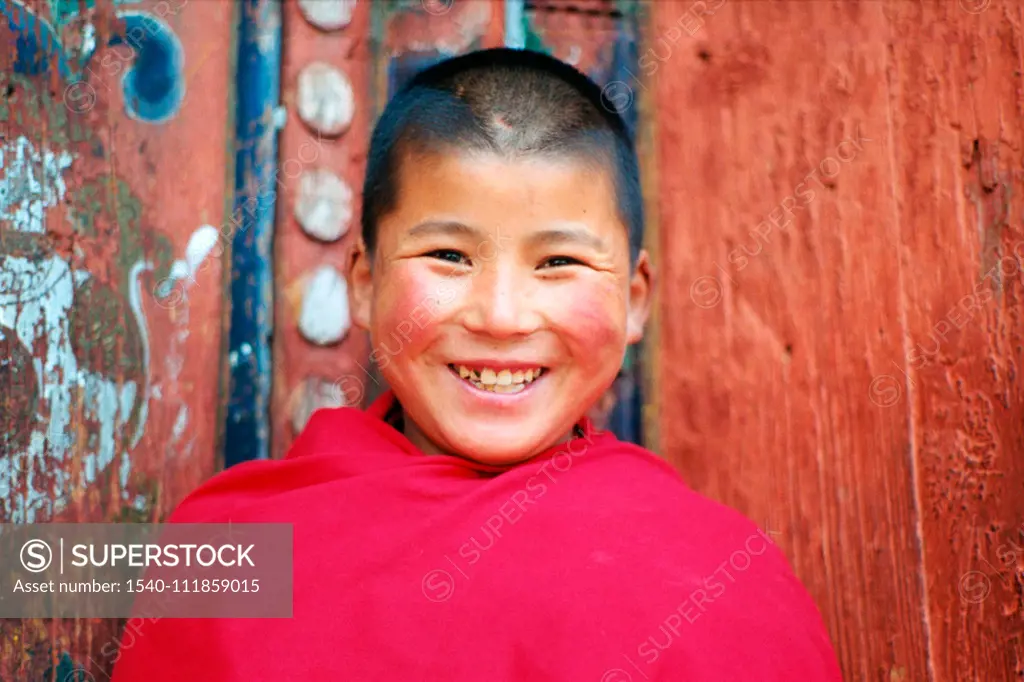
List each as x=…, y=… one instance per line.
x=781, y=274
x=112, y=163
x=838, y=335
x=954, y=83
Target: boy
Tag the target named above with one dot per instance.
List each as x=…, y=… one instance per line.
x=472, y=524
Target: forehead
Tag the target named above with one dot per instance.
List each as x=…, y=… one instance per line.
x=485, y=188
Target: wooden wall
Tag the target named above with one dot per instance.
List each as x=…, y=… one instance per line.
x=834, y=193
x=839, y=234
x=111, y=295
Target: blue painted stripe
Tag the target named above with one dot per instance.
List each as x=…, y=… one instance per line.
x=258, y=89
x=515, y=24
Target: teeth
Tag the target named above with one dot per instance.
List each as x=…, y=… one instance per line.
x=499, y=381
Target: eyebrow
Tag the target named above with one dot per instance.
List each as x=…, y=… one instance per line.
x=568, y=235
x=551, y=236
x=452, y=227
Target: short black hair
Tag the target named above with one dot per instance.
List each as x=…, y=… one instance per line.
x=510, y=102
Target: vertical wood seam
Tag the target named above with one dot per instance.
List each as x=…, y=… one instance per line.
x=650, y=179
x=231, y=164
x=915, y=476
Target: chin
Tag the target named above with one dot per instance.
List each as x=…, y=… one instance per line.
x=498, y=450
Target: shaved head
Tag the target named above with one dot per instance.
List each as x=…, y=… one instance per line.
x=512, y=103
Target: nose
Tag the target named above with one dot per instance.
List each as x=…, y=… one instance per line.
x=501, y=304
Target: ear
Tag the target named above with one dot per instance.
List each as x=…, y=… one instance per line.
x=641, y=294
x=360, y=285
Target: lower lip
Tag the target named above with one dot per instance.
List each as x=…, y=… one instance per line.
x=495, y=398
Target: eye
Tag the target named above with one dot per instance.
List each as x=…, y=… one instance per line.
x=560, y=261
x=449, y=255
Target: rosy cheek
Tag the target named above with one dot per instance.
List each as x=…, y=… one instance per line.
x=407, y=308
x=594, y=319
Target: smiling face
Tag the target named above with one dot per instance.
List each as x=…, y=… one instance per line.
x=499, y=301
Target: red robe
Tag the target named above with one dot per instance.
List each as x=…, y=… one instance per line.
x=591, y=562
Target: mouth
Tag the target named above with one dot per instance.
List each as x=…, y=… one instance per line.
x=498, y=379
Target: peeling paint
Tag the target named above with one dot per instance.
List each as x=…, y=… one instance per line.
x=37, y=40
x=87, y=406
x=180, y=424
x=67, y=389
x=31, y=181
x=85, y=233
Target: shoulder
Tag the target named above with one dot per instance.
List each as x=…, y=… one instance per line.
x=631, y=474
x=710, y=590
x=226, y=492
x=627, y=489
x=708, y=578
x=337, y=443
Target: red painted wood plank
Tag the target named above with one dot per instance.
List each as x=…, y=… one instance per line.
x=780, y=301
x=305, y=150
x=957, y=110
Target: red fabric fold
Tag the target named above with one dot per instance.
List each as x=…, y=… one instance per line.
x=590, y=561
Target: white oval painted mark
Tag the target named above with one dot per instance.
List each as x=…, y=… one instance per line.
x=324, y=205
x=328, y=15
x=326, y=101
x=311, y=395
x=324, y=319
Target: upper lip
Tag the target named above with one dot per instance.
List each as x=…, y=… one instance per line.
x=511, y=365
